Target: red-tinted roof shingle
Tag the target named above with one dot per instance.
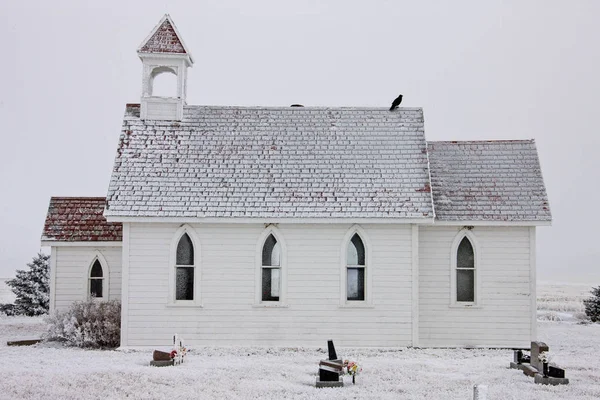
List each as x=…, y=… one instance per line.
x=79, y=219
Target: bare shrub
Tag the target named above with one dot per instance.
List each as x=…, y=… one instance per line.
x=549, y=316
x=581, y=317
x=91, y=324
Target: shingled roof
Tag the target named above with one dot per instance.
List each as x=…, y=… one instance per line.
x=487, y=181
x=164, y=38
x=276, y=163
x=79, y=219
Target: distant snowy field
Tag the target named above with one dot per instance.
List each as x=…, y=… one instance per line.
x=48, y=371
x=6, y=296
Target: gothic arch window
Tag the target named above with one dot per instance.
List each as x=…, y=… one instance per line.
x=184, y=269
x=97, y=277
x=271, y=274
x=465, y=266
x=355, y=269
x=465, y=271
x=96, y=280
x=271, y=269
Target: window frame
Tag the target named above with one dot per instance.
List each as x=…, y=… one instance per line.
x=465, y=233
x=97, y=256
x=171, y=296
x=368, y=269
x=258, y=301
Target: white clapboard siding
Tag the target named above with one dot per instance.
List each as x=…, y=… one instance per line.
x=72, y=268
x=227, y=288
x=503, y=317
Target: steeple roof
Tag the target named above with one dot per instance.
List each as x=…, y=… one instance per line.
x=164, y=38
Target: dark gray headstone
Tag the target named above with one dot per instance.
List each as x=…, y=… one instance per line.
x=556, y=372
x=331, y=348
x=328, y=374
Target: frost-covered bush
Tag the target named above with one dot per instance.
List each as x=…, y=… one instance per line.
x=32, y=289
x=93, y=324
x=549, y=316
x=592, y=305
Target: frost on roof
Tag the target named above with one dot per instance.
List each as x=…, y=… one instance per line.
x=164, y=40
x=79, y=219
x=273, y=163
x=487, y=181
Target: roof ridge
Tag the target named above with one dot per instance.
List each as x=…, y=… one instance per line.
x=303, y=108
x=484, y=141
x=78, y=197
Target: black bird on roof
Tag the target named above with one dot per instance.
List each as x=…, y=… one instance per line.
x=396, y=103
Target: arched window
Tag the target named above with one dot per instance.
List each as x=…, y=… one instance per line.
x=465, y=272
x=96, y=280
x=184, y=269
x=355, y=269
x=271, y=269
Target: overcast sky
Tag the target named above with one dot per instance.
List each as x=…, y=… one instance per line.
x=480, y=69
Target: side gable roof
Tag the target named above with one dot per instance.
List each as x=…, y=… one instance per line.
x=283, y=163
x=487, y=181
x=164, y=38
x=79, y=219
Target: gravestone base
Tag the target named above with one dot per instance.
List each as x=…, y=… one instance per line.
x=529, y=370
x=539, y=378
x=324, y=384
x=514, y=365
x=162, y=363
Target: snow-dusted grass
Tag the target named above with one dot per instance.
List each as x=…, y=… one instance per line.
x=51, y=371
x=560, y=302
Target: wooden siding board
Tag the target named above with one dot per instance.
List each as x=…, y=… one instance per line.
x=503, y=314
x=72, y=266
x=227, y=290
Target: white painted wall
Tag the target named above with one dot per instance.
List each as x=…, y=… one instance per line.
x=72, y=266
x=228, y=315
x=503, y=317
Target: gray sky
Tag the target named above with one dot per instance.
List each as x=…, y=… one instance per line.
x=480, y=69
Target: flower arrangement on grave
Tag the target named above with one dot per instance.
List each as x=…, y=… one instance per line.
x=174, y=353
x=352, y=368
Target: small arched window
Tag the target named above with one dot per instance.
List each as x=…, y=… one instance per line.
x=355, y=269
x=96, y=279
x=465, y=272
x=271, y=269
x=184, y=269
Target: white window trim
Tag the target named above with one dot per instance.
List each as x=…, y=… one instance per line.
x=105, y=277
x=258, y=301
x=453, y=259
x=367, y=302
x=171, y=302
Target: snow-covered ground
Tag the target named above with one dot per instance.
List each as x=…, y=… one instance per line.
x=48, y=371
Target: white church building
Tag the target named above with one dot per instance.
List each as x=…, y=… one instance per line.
x=288, y=226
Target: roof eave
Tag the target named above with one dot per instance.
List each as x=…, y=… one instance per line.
x=46, y=242
x=229, y=220
x=494, y=223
